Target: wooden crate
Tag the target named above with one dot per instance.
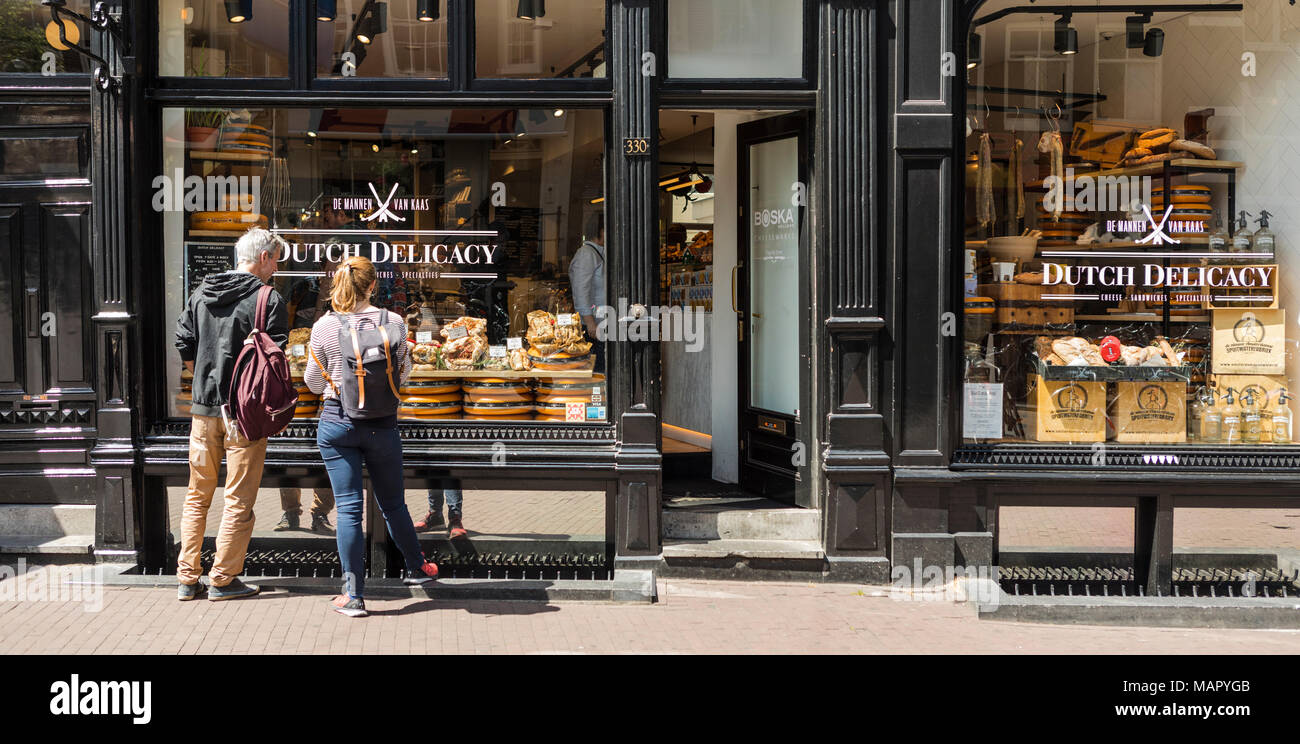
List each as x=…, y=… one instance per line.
x=1217, y=298
x=1069, y=411
x=1021, y=307
x=1250, y=342
x=1150, y=412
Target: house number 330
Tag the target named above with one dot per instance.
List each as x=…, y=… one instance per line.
x=635, y=146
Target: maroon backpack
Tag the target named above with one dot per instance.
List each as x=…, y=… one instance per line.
x=262, y=396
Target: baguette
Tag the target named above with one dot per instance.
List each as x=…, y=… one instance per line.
x=1195, y=148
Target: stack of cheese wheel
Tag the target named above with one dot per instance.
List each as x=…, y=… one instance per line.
x=229, y=221
x=185, y=398
x=430, y=400
x=1194, y=356
x=248, y=138
x=560, y=361
x=555, y=395
x=1191, y=204
x=494, y=399
x=1063, y=231
x=1185, y=300
x=308, y=402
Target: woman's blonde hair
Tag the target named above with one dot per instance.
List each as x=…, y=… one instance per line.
x=352, y=283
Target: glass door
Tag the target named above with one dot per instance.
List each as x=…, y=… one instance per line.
x=772, y=303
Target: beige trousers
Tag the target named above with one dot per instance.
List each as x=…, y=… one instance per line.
x=209, y=442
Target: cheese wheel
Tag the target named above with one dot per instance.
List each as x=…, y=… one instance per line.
x=424, y=400
x=498, y=398
x=1185, y=188
x=549, y=417
x=562, y=400
x=227, y=220
x=428, y=416
x=503, y=409
x=476, y=387
x=440, y=388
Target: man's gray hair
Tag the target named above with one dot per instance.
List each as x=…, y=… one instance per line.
x=255, y=242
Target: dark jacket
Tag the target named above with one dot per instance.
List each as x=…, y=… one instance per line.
x=211, y=333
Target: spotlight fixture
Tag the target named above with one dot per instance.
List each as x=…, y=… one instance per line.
x=1067, y=39
x=311, y=133
x=326, y=10
x=531, y=9
x=427, y=11
x=1133, y=25
x=239, y=11
x=1154, y=45
x=974, y=52
x=374, y=24
x=374, y=148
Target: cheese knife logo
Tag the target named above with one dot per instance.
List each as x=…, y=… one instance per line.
x=1158, y=236
x=1071, y=398
x=384, y=213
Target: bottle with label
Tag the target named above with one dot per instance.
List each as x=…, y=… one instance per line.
x=1250, y=418
x=1241, y=239
x=1231, y=418
x=1282, y=419
x=1220, y=238
x=1263, y=240
x=1211, y=419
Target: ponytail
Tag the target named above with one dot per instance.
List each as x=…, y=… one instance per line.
x=352, y=284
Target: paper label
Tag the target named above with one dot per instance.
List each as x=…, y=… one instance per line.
x=514, y=343
x=566, y=319
x=424, y=337
x=298, y=350
x=497, y=352
x=457, y=332
x=982, y=411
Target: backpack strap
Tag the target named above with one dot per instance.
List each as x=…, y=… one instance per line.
x=383, y=330
x=361, y=369
x=263, y=298
x=323, y=372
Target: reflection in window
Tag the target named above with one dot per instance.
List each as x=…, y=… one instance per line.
x=223, y=38
x=30, y=40
x=374, y=38
x=735, y=38
x=537, y=39
x=473, y=217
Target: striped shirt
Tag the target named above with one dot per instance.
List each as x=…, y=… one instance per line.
x=325, y=345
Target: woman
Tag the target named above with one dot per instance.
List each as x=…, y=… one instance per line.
x=344, y=441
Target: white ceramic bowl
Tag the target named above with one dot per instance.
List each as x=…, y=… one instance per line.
x=1012, y=248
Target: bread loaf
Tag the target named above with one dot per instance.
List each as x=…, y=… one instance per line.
x=1195, y=148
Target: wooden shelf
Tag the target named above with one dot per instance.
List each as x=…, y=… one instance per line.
x=1140, y=318
x=241, y=157
x=232, y=234
x=1150, y=169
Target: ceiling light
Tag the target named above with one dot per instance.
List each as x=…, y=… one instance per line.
x=311, y=133
x=374, y=148
x=238, y=11
x=684, y=185
x=374, y=24
x=559, y=113
x=974, y=52
x=1133, y=37
x=326, y=10
x=427, y=11
x=1154, y=45
x=1067, y=39
x=598, y=201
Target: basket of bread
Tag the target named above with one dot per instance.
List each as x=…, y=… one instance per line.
x=557, y=342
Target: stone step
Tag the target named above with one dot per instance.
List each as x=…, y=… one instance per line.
x=46, y=545
x=47, y=520
x=714, y=523
x=745, y=560
x=798, y=550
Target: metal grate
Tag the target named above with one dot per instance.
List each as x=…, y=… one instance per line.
x=1074, y=581
x=498, y=565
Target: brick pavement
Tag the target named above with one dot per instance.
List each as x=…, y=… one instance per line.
x=691, y=617
x=1041, y=527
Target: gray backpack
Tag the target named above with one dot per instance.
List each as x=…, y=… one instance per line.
x=368, y=389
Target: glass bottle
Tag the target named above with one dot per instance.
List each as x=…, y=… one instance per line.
x=1263, y=240
x=1241, y=239
x=1250, y=418
x=1212, y=419
x=1231, y=418
x=1265, y=418
x=1195, y=417
x=1219, y=239
x=1282, y=419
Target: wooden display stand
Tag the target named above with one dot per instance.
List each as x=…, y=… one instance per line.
x=1069, y=411
x=1022, y=309
x=1151, y=412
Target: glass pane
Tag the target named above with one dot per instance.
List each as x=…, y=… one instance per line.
x=735, y=38
x=539, y=39
x=370, y=39
x=774, y=277
x=30, y=42
x=493, y=218
x=223, y=38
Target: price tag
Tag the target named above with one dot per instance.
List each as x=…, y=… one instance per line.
x=513, y=343
x=424, y=337
x=497, y=352
x=566, y=320
x=457, y=332
x=298, y=350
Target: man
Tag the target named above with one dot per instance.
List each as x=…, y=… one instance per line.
x=587, y=277
x=210, y=334
x=322, y=503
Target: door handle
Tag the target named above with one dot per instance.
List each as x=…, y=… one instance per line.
x=734, y=270
x=33, y=313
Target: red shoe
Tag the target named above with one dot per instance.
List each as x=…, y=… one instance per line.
x=457, y=529
x=350, y=606
x=428, y=572
x=431, y=521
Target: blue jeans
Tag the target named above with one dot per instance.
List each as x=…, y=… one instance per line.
x=453, y=497
x=344, y=443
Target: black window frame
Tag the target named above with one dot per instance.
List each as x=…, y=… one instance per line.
x=671, y=85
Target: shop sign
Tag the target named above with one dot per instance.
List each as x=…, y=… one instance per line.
x=1156, y=276
x=384, y=210
x=1160, y=231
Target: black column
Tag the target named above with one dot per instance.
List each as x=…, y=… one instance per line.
x=117, y=532
x=633, y=276
x=855, y=466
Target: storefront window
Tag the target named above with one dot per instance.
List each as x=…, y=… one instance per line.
x=376, y=39
x=540, y=39
x=473, y=218
x=1130, y=222
x=735, y=39
x=223, y=38
x=30, y=40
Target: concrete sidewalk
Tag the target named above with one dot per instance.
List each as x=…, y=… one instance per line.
x=691, y=617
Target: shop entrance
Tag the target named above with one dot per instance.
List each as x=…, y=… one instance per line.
x=734, y=261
